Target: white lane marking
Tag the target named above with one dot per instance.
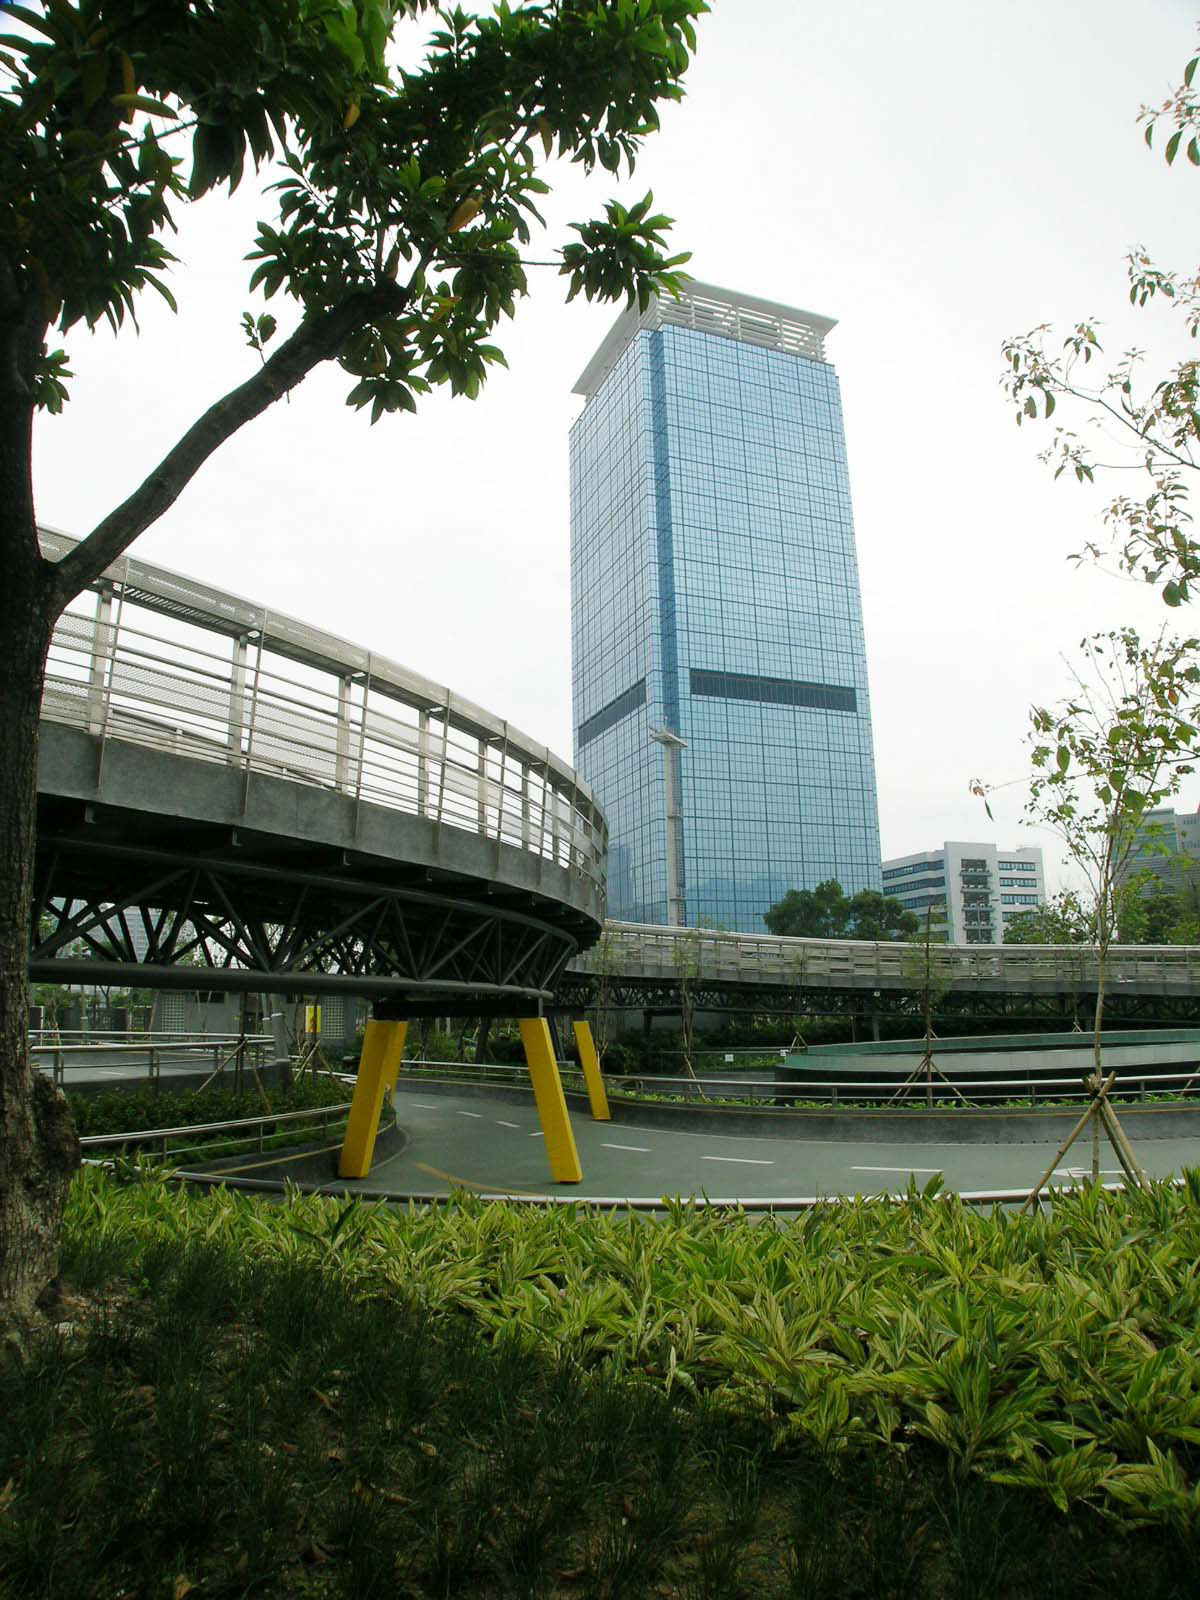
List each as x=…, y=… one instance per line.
x=538, y=1135
x=921, y=1170
x=742, y=1161
x=478, y=1115
x=643, y=1149
x=503, y=1124
x=425, y=1105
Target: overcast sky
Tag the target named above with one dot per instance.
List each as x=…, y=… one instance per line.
x=936, y=176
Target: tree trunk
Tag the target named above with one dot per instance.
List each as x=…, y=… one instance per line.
x=38, y=1147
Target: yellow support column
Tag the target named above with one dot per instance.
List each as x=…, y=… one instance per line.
x=383, y=1048
x=589, y=1061
x=551, y=1103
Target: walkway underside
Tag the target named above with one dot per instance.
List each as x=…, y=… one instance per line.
x=166, y=903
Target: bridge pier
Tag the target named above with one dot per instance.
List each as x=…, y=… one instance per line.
x=550, y=1100
x=382, y=1052
x=379, y=1066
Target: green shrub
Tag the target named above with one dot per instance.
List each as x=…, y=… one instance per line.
x=123, y=1111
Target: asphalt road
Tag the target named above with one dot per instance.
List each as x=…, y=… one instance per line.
x=470, y=1143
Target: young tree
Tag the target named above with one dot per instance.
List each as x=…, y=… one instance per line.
x=405, y=200
x=924, y=971
x=1118, y=747
x=1121, y=744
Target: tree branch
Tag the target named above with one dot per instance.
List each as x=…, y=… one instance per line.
x=317, y=339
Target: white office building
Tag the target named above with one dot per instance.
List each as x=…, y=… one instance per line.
x=970, y=891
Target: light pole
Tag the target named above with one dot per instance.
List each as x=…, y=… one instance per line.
x=672, y=744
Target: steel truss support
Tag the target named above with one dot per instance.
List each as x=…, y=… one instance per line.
x=580, y=992
x=237, y=923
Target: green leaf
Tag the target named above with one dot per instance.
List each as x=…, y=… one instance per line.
x=1172, y=149
x=142, y=102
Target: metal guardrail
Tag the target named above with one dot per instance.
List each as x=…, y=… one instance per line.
x=76, y=1038
x=239, y=1051
x=165, y=1137
x=238, y=684
x=704, y=955
x=837, y=1091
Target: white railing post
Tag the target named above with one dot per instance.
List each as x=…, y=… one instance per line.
x=102, y=660
x=237, y=695
x=341, y=759
x=422, y=762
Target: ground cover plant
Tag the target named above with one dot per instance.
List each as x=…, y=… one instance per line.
x=307, y=1398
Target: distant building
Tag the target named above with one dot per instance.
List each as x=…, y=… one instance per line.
x=970, y=890
x=715, y=606
x=1168, y=846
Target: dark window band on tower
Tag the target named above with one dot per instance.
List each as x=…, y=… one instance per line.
x=608, y=716
x=773, y=691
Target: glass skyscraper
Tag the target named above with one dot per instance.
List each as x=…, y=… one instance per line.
x=715, y=596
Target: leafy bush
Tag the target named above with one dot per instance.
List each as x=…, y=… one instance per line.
x=1055, y=1352
x=123, y=1111
x=319, y=1399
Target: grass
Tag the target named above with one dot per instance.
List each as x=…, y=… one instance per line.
x=873, y=1401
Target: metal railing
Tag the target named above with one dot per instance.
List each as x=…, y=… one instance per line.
x=971, y=1092
x=238, y=1051
x=1038, y=1090
x=639, y=950
x=253, y=1129
x=235, y=683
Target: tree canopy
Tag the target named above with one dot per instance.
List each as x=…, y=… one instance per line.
x=395, y=237
x=827, y=912
x=405, y=200
x=1063, y=919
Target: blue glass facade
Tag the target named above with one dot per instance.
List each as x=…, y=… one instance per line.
x=715, y=592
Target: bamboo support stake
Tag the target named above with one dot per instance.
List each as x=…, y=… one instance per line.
x=1035, y=1193
x=1119, y=1140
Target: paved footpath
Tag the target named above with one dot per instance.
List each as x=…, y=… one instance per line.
x=471, y=1143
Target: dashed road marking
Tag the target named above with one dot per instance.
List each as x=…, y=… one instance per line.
x=921, y=1171
x=643, y=1149
x=501, y=1122
x=478, y=1115
x=742, y=1161
x=538, y=1135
